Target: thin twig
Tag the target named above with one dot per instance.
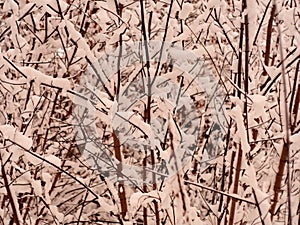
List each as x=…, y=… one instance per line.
x=236, y=197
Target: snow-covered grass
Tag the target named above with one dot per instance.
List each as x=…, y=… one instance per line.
x=243, y=164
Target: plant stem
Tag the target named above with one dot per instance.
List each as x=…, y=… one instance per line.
x=287, y=127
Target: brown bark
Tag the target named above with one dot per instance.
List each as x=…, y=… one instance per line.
x=121, y=188
x=278, y=180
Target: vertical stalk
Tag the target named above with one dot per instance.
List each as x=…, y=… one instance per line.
x=258, y=208
x=177, y=169
x=121, y=187
x=81, y=31
x=269, y=36
x=239, y=83
x=297, y=99
x=246, y=79
x=240, y=62
x=268, y=44
x=50, y=120
x=295, y=87
x=286, y=149
x=10, y=196
x=236, y=184
x=228, y=187
x=224, y=171
x=296, y=108
x=147, y=115
x=117, y=147
x=278, y=180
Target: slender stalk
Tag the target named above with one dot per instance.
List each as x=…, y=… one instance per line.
x=268, y=44
x=236, y=184
x=177, y=174
x=296, y=109
x=261, y=22
x=297, y=99
x=224, y=32
x=147, y=115
x=240, y=61
x=287, y=124
x=246, y=79
x=81, y=31
x=121, y=187
x=10, y=196
x=59, y=9
x=50, y=120
x=163, y=41
x=269, y=37
x=294, y=85
x=240, y=150
x=258, y=207
x=278, y=180
x=224, y=170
